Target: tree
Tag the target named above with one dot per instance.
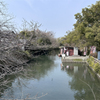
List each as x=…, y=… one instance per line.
x=86, y=29
x=12, y=58
x=34, y=36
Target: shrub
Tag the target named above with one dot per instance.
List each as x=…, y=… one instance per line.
x=96, y=67
x=92, y=64
x=99, y=72
x=91, y=61
x=88, y=60
x=91, y=58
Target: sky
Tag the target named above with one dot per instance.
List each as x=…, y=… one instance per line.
x=53, y=15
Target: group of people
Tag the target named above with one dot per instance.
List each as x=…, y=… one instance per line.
x=64, y=51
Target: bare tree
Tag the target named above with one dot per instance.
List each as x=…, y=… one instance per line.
x=12, y=58
x=37, y=39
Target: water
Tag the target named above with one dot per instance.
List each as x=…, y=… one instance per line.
x=48, y=79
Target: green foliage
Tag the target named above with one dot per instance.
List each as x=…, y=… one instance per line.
x=43, y=41
x=86, y=29
x=91, y=61
x=77, y=60
x=91, y=58
x=60, y=41
x=25, y=34
x=92, y=64
x=96, y=67
x=27, y=52
x=99, y=72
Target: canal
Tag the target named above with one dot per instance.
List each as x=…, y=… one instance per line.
x=47, y=78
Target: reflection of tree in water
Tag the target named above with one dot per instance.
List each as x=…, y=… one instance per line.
x=54, y=52
x=7, y=88
x=41, y=65
x=8, y=79
x=36, y=69
x=83, y=82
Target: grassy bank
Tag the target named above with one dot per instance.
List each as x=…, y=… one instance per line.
x=95, y=66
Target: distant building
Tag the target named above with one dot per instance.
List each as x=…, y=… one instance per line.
x=69, y=51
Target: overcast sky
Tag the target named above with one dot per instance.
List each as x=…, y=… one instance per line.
x=54, y=15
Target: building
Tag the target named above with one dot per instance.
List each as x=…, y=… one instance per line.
x=69, y=51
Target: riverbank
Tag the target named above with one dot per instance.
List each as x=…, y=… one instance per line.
x=42, y=51
x=18, y=58
x=46, y=79
x=77, y=59
x=91, y=61
x=94, y=66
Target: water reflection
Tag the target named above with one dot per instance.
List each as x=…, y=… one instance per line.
x=42, y=66
x=48, y=77
x=69, y=67
x=37, y=69
x=84, y=82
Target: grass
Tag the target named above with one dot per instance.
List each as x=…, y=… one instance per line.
x=77, y=60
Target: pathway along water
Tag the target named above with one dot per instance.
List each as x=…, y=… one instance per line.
x=49, y=79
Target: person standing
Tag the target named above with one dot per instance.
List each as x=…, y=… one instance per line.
x=67, y=52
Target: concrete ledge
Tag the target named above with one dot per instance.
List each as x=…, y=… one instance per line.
x=75, y=59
